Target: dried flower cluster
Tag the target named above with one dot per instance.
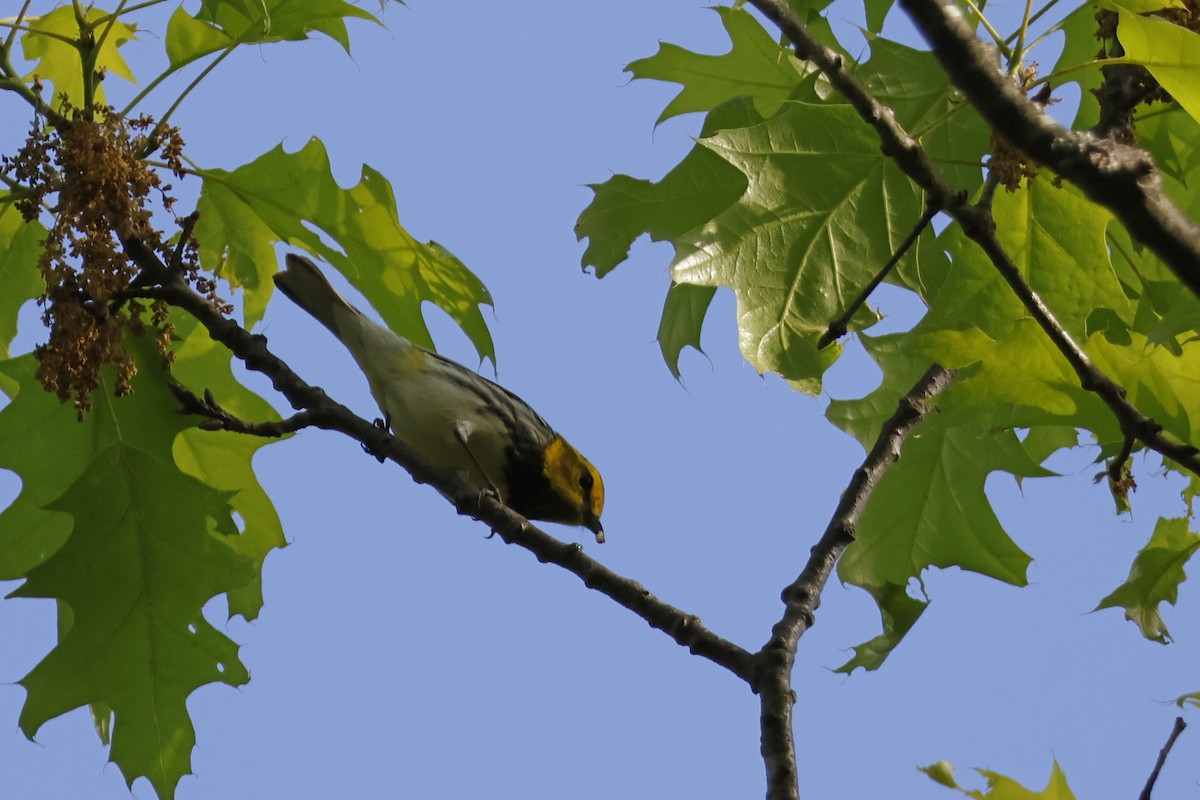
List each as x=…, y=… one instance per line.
x=91, y=177
x=1009, y=165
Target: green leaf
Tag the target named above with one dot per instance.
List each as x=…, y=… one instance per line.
x=824, y=210
x=223, y=459
x=61, y=63
x=20, y=280
x=682, y=318
x=898, y=612
x=1159, y=383
x=189, y=38
x=1058, y=239
x=756, y=66
x=1180, y=315
x=942, y=772
x=258, y=21
x=1142, y=6
x=1165, y=315
x=1170, y=52
x=1154, y=577
x=141, y=560
x=876, y=13
x=1001, y=787
x=914, y=86
x=1046, y=440
x=1080, y=46
x=934, y=512
x=697, y=189
x=1173, y=137
x=283, y=197
x=41, y=441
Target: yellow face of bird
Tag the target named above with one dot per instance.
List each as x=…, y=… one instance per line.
x=574, y=479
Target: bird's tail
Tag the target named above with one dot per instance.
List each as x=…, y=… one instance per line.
x=305, y=286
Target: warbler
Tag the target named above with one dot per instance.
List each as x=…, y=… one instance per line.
x=455, y=418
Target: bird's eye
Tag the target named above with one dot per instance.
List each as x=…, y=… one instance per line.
x=585, y=480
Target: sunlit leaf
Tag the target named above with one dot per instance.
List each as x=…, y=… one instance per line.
x=49, y=42
x=1154, y=578
x=288, y=197
x=257, y=21
x=20, y=281
x=142, y=558
x=756, y=67
x=805, y=236
x=1001, y=787
x=1169, y=51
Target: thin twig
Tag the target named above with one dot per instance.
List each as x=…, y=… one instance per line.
x=187, y=226
x=217, y=418
x=1118, y=470
x=1162, y=758
x=837, y=329
x=773, y=663
x=321, y=411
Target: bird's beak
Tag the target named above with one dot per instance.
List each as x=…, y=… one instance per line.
x=592, y=523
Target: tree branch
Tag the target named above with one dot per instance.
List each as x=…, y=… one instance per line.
x=317, y=409
x=977, y=222
x=773, y=663
x=838, y=328
x=1162, y=758
x=217, y=418
x=1121, y=178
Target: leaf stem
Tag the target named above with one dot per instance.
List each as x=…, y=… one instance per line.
x=108, y=22
x=1095, y=63
x=1036, y=16
x=983, y=20
x=1018, y=53
x=12, y=33
x=15, y=27
x=195, y=82
x=130, y=10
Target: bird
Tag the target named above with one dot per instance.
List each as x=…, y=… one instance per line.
x=453, y=417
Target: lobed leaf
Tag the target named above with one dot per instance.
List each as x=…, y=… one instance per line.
x=1154, y=577
x=224, y=460
x=682, y=318
x=914, y=86
x=189, y=38
x=1169, y=51
x=138, y=548
x=1000, y=787
x=695, y=190
x=49, y=42
x=293, y=198
x=1080, y=47
x=260, y=21
x=898, y=612
x=20, y=281
x=806, y=235
x=756, y=67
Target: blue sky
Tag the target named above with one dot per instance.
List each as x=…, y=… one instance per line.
x=402, y=654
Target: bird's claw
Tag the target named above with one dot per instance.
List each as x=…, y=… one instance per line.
x=383, y=425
